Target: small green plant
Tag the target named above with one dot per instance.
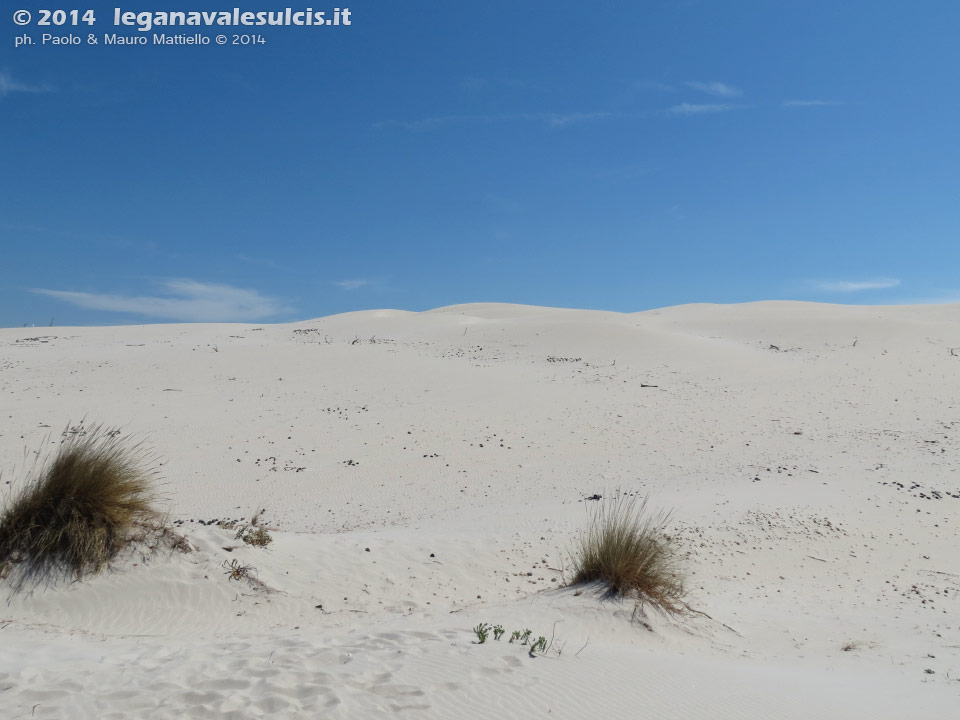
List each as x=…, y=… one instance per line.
x=482, y=631
x=524, y=637
x=540, y=645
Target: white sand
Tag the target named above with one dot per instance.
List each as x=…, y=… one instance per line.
x=474, y=433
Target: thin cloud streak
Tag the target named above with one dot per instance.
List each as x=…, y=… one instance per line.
x=351, y=284
x=852, y=286
x=8, y=85
x=185, y=300
x=558, y=120
x=715, y=88
x=696, y=109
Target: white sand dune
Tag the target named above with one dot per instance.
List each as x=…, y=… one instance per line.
x=424, y=472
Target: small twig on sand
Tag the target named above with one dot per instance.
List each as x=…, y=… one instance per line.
x=553, y=634
x=938, y=572
x=577, y=654
x=813, y=557
x=701, y=612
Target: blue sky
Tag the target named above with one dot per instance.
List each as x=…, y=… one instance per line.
x=607, y=155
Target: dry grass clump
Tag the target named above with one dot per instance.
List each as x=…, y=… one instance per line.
x=237, y=571
x=253, y=535
x=626, y=550
x=78, y=513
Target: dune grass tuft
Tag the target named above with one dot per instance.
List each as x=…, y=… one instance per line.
x=626, y=550
x=256, y=536
x=74, y=516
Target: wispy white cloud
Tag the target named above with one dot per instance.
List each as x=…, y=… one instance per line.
x=810, y=103
x=558, y=120
x=715, y=88
x=695, y=109
x=630, y=93
x=351, y=284
x=551, y=119
x=186, y=300
x=852, y=286
x=9, y=85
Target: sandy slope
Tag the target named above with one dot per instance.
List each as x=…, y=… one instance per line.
x=809, y=454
